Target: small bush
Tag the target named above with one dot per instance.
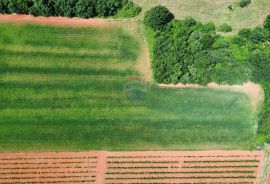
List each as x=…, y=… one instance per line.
x=230, y=7
x=225, y=28
x=244, y=3
x=157, y=16
x=267, y=23
x=129, y=10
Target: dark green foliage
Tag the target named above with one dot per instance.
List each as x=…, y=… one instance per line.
x=157, y=17
x=43, y=8
x=244, y=3
x=20, y=6
x=230, y=7
x=129, y=10
x=85, y=9
x=267, y=23
x=260, y=61
x=225, y=28
x=71, y=8
x=109, y=7
x=4, y=6
x=186, y=51
x=256, y=35
x=66, y=8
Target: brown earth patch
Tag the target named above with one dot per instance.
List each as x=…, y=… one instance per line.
x=57, y=21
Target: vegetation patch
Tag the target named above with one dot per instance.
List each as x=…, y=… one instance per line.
x=77, y=89
x=186, y=51
x=225, y=28
x=71, y=8
x=244, y=3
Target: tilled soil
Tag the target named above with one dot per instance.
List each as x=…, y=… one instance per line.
x=132, y=167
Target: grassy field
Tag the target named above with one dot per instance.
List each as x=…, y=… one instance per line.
x=216, y=11
x=77, y=89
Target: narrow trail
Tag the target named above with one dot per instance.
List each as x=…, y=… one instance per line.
x=57, y=21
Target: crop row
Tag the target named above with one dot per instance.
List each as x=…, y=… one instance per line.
x=110, y=167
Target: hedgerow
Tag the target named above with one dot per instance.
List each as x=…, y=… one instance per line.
x=187, y=51
x=71, y=8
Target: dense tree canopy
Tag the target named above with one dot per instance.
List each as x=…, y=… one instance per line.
x=70, y=8
x=267, y=23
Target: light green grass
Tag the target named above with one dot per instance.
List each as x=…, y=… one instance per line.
x=74, y=89
x=215, y=11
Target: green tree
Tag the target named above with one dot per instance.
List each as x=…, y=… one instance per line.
x=4, y=6
x=267, y=22
x=43, y=8
x=225, y=28
x=157, y=17
x=244, y=3
x=260, y=61
x=20, y=6
x=109, y=7
x=65, y=8
x=85, y=9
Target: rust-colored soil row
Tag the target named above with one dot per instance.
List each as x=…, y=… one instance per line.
x=132, y=167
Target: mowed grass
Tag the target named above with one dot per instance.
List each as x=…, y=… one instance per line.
x=215, y=11
x=76, y=89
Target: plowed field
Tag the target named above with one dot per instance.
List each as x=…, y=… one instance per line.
x=132, y=167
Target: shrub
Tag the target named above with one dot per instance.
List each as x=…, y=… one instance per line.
x=245, y=33
x=85, y=9
x=230, y=7
x=267, y=23
x=157, y=16
x=244, y=3
x=129, y=10
x=225, y=28
x=109, y=7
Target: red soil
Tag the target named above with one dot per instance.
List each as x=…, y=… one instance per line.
x=132, y=167
x=55, y=20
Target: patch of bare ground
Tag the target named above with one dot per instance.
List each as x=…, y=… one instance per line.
x=57, y=21
x=254, y=91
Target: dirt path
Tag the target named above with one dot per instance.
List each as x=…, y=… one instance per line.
x=254, y=91
x=59, y=21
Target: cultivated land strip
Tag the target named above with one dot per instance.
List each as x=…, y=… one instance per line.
x=132, y=167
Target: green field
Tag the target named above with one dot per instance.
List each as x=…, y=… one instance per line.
x=215, y=11
x=77, y=89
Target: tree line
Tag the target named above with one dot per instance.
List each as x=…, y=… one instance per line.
x=71, y=8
